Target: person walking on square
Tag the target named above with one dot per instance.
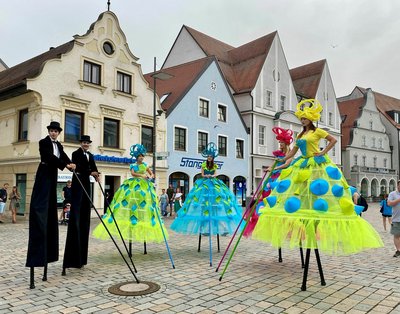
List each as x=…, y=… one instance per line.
x=177, y=200
x=163, y=202
x=386, y=211
x=311, y=205
x=15, y=198
x=135, y=206
x=394, y=202
x=66, y=194
x=77, y=243
x=171, y=194
x=3, y=200
x=43, y=216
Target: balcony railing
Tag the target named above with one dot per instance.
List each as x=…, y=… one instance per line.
x=373, y=170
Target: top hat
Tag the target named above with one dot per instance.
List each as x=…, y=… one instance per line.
x=85, y=138
x=55, y=126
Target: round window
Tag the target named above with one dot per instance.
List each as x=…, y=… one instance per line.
x=108, y=48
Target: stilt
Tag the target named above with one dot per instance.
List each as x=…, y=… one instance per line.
x=198, y=248
x=305, y=273
x=302, y=257
x=45, y=273
x=32, y=284
x=218, y=241
x=130, y=248
x=321, y=274
x=280, y=255
x=145, y=248
x=63, y=273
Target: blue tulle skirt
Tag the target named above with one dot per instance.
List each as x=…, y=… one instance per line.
x=210, y=207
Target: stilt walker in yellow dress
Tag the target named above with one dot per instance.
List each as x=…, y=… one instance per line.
x=311, y=205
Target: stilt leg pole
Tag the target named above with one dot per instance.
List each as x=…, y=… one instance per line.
x=305, y=273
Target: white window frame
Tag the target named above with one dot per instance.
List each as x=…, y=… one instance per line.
x=198, y=107
x=268, y=99
x=208, y=139
x=243, y=141
x=186, y=138
x=226, y=112
x=330, y=118
x=227, y=144
x=282, y=108
x=259, y=137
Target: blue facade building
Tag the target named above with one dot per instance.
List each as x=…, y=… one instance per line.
x=200, y=109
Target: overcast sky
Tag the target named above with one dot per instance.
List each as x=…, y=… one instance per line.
x=360, y=39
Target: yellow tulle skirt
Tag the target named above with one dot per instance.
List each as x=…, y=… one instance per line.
x=311, y=206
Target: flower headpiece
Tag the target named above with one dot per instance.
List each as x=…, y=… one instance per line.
x=283, y=135
x=138, y=149
x=309, y=109
x=210, y=150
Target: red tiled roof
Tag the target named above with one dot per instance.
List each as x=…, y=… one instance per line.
x=386, y=103
x=241, y=66
x=18, y=74
x=306, y=78
x=184, y=76
x=350, y=111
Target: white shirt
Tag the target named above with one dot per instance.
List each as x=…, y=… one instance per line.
x=56, y=152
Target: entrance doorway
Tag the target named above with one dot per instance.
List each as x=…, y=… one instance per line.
x=239, y=189
x=180, y=180
x=111, y=184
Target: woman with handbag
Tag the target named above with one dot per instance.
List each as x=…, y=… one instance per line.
x=386, y=211
x=14, y=197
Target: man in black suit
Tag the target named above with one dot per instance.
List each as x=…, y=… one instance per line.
x=76, y=246
x=43, y=218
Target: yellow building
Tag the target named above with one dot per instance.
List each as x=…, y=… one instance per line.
x=92, y=85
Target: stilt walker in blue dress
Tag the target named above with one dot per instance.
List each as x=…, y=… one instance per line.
x=210, y=207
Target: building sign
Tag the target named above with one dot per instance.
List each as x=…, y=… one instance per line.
x=64, y=177
x=196, y=163
x=113, y=159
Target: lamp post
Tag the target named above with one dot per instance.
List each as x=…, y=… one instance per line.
x=156, y=113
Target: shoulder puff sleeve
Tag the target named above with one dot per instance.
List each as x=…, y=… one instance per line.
x=321, y=133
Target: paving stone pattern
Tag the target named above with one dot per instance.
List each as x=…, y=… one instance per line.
x=254, y=283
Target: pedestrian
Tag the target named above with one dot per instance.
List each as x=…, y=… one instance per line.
x=177, y=200
x=66, y=195
x=43, y=217
x=15, y=198
x=285, y=138
x=3, y=200
x=65, y=214
x=394, y=202
x=210, y=207
x=77, y=243
x=163, y=200
x=311, y=206
x=170, y=193
x=134, y=206
x=386, y=211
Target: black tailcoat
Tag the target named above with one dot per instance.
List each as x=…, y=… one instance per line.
x=76, y=246
x=43, y=217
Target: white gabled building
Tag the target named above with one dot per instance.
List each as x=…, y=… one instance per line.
x=92, y=85
x=367, y=146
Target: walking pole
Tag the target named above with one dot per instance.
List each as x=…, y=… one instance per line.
x=241, y=220
x=209, y=235
x=116, y=225
x=241, y=233
x=162, y=230
x=105, y=226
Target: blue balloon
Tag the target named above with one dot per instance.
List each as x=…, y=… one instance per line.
x=283, y=186
x=358, y=209
x=273, y=185
x=133, y=220
x=320, y=205
x=271, y=201
x=337, y=190
x=292, y=204
x=333, y=173
x=259, y=205
x=319, y=187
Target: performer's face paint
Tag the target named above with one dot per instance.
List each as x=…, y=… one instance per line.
x=305, y=122
x=85, y=145
x=53, y=134
x=140, y=158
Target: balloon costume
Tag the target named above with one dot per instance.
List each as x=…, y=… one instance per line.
x=134, y=208
x=210, y=206
x=285, y=136
x=310, y=205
